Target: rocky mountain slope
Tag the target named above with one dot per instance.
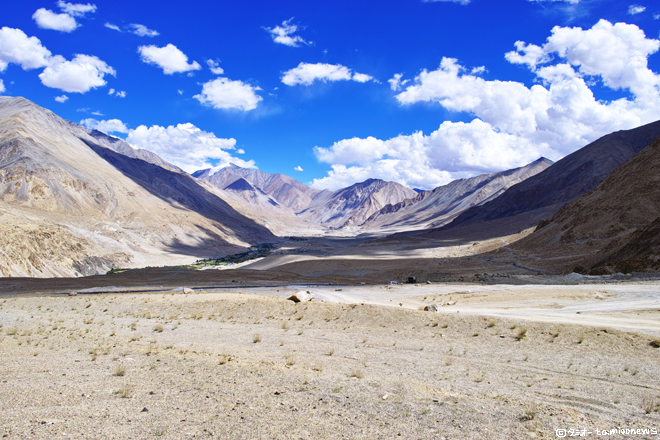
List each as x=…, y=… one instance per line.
x=438, y=207
x=332, y=209
x=564, y=181
x=69, y=205
x=353, y=205
x=286, y=190
x=614, y=227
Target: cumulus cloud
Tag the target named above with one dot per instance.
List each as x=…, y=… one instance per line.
x=223, y=93
x=83, y=73
x=284, y=34
x=396, y=83
x=79, y=75
x=186, y=146
x=362, y=77
x=298, y=168
x=636, y=9
x=512, y=124
x=64, y=22
x=307, y=73
x=169, y=58
x=2, y=86
x=62, y=98
x=47, y=19
x=107, y=127
x=142, y=30
x=18, y=48
x=215, y=67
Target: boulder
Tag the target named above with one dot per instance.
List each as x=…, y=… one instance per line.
x=301, y=296
x=187, y=290
x=73, y=293
x=432, y=308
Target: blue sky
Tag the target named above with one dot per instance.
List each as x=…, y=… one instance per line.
x=333, y=93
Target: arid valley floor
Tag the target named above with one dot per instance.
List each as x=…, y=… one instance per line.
x=499, y=361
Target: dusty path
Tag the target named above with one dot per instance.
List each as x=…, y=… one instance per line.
x=625, y=306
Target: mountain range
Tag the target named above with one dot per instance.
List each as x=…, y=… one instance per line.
x=613, y=228
x=72, y=204
x=544, y=194
x=75, y=201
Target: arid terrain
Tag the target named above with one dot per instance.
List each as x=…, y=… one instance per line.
x=498, y=361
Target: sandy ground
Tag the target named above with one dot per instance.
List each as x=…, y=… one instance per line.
x=248, y=364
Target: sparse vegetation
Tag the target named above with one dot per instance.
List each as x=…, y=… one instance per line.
x=529, y=413
x=651, y=404
x=120, y=370
x=125, y=391
x=356, y=372
x=290, y=359
x=655, y=343
x=256, y=338
x=521, y=334
x=158, y=328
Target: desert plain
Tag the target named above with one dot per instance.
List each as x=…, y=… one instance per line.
x=499, y=361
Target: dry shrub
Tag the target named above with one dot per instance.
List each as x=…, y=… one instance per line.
x=125, y=392
x=119, y=371
x=356, y=372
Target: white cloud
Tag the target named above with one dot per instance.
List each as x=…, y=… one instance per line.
x=186, y=146
x=240, y=151
x=47, y=19
x=307, y=73
x=396, y=83
x=65, y=22
x=284, y=34
x=656, y=16
x=224, y=93
x=179, y=91
x=2, y=86
x=143, y=31
x=168, y=58
x=76, y=9
x=114, y=27
x=62, y=98
x=83, y=73
x=298, y=168
x=362, y=77
x=462, y=2
x=107, y=127
x=114, y=92
x=636, y=9
x=18, y=48
x=215, y=67
x=478, y=70
x=512, y=124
